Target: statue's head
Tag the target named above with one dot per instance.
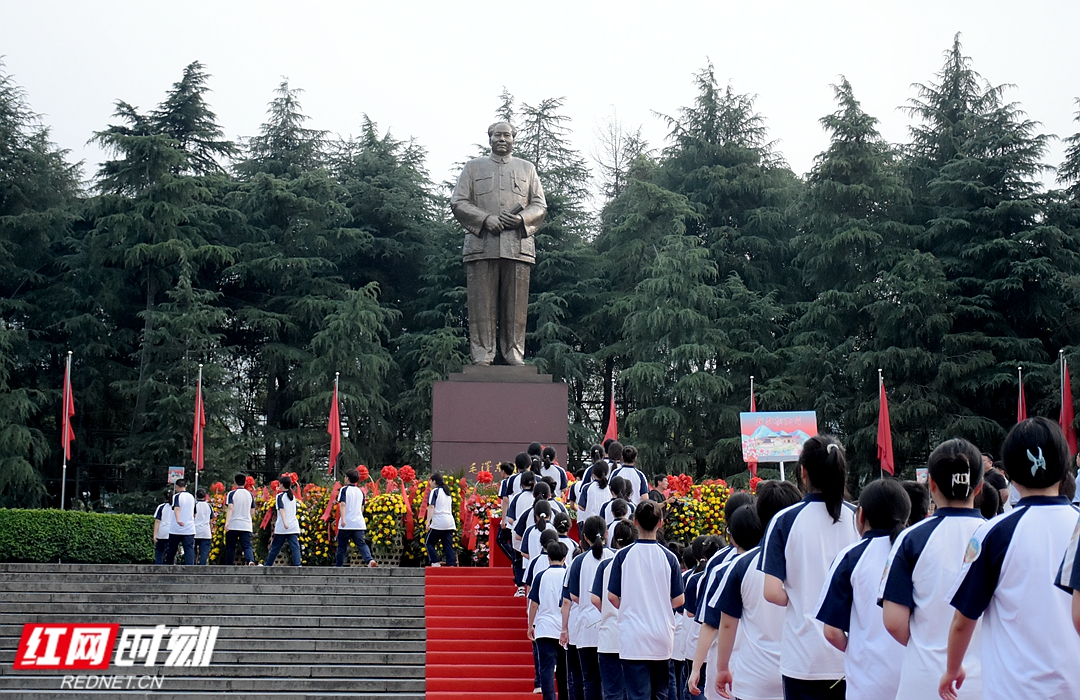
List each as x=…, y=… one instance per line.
x=501, y=136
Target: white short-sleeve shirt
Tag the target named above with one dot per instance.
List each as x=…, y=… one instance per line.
x=185, y=502
x=164, y=515
x=287, y=523
x=241, y=500
x=442, y=517
x=350, y=502
x=547, y=593
x=800, y=545
x=203, y=513
x=646, y=619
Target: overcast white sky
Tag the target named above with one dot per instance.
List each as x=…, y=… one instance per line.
x=433, y=70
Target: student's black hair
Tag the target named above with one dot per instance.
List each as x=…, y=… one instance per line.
x=607, y=441
x=180, y=483
x=826, y=469
x=675, y=549
x=557, y=551
x=535, y=448
x=629, y=455
x=440, y=482
x=561, y=522
x=744, y=527
x=620, y=488
x=615, y=451
x=551, y=483
x=167, y=495
x=541, y=491
x=548, y=536
x=201, y=494
x=600, y=473
x=286, y=486
x=1035, y=453
x=885, y=506
x=548, y=454
x=919, y=496
x=536, y=466
x=648, y=516
x=507, y=468
x=773, y=496
x=593, y=533
x=620, y=508
x=528, y=480
x=658, y=477
x=735, y=501
x=596, y=452
x=704, y=547
x=353, y=476
x=956, y=468
x=988, y=501
x=522, y=461
x=541, y=514
x=689, y=561
x=240, y=479
x=624, y=534
x=579, y=474
x=1067, y=486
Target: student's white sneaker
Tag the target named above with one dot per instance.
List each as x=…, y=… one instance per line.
x=537, y=691
x=520, y=594
x=438, y=563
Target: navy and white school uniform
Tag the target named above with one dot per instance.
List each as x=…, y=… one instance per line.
x=1068, y=577
x=709, y=589
x=574, y=492
x=520, y=505
x=607, y=643
x=546, y=591
x=537, y=565
x=592, y=499
x=654, y=579
x=286, y=529
x=1029, y=646
x=681, y=622
x=639, y=483
x=239, y=525
x=204, y=513
x=609, y=517
x=182, y=527
x=848, y=602
x=351, y=523
x=611, y=529
x=690, y=606
x=584, y=621
x=583, y=494
x=922, y=568
x=164, y=515
x=510, y=486
x=800, y=544
x=443, y=527
x=557, y=473
x=755, y=659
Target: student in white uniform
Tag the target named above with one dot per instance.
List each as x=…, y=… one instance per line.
x=182, y=527
x=351, y=522
x=545, y=616
x=287, y=526
x=598, y=492
x=653, y=589
x=800, y=544
x=552, y=469
x=1029, y=648
x=580, y=616
x=519, y=505
x=849, y=600
x=679, y=667
x=923, y=566
x=1068, y=578
x=617, y=510
x=639, y=483
x=530, y=539
x=541, y=492
x=705, y=549
x=745, y=530
x=240, y=505
x=747, y=657
x=440, y=522
x=163, y=516
x=204, y=513
x=607, y=645
x=509, y=487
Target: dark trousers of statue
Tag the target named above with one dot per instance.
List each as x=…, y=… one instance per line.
x=498, y=305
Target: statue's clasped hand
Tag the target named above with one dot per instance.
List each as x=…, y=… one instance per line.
x=511, y=221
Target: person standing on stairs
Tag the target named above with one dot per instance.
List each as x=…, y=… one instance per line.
x=545, y=617
x=240, y=506
x=204, y=513
x=440, y=522
x=182, y=528
x=287, y=526
x=351, y=523
x=162, y=517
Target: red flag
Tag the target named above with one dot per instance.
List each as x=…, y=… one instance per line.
x=612, y=431
x=67, y=434
x=1021, y=403
x=752, y=465
x=334, y=428
x=200, y=423
x=1066, y=417
x=884, y=433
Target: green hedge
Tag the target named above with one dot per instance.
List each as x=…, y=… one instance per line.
x=75, y=537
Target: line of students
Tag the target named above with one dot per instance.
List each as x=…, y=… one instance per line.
x=816, y=598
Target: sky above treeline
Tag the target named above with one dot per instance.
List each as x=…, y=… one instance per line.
x=433, y=71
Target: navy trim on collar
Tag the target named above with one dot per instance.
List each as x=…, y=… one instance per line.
x=870, y=534
x=811, y=497
x=953, y=511
x=1044, y=501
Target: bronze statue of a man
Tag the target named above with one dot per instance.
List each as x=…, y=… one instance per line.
x=501, y=204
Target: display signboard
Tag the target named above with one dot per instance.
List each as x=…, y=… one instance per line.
x=777, y=436
x=175, y=473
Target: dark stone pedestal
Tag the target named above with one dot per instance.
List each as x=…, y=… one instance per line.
x=490, y=413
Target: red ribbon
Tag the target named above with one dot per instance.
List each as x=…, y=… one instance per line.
x=409, y=526
x=423, y=506
x=332, y=501
x=269, y=514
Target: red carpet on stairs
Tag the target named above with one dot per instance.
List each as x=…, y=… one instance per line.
x=476, y=643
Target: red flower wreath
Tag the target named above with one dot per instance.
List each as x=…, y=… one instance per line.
x=389, y=472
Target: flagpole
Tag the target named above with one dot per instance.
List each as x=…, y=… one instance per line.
x=880, y=384
x=198, y=402
x=1061, y=376
x=1020, y=380
x=337, y=377
x=64, y=432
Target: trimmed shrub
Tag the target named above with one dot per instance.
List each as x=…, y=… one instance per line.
x=75, y=537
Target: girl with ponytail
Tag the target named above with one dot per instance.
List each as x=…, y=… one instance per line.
x=800, y=544
x=611, y=674
x=922, y=568
x=598, y=492
x=584, y=621
x=287, y=526
x=848, y=607
x=530, y=539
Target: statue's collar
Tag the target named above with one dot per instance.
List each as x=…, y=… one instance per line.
x=501, y=160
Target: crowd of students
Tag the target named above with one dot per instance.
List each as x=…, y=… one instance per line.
x=910, y=594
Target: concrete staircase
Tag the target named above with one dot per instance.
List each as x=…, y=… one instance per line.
x=284, y=632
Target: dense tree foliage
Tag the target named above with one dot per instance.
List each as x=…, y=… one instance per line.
x=665, y=278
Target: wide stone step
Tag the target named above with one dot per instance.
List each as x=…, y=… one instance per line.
x=343, y=587
x=189, y=683
x=356, y=605
x=337, y=657
x=153, y=569
x=149, y=619
x=286, y=669
x=306, y=635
